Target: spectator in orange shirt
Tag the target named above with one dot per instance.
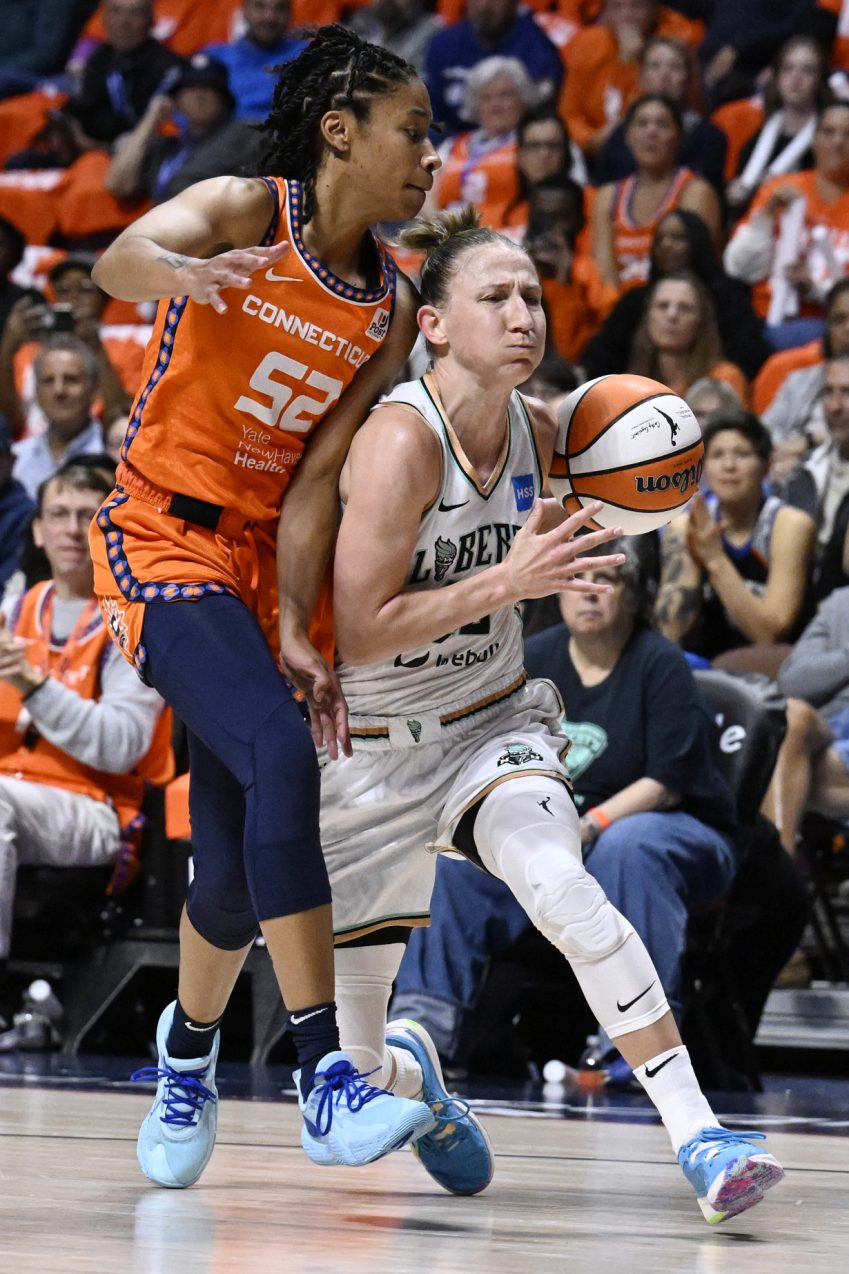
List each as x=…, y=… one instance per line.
x=681, y=243
x=666, y=66
x=78, y=307
x=479, y=166
x=677, y=341
x=794, y=242
x=79, y=732
x=627, y=213
x=574, y=296
x=602, y=66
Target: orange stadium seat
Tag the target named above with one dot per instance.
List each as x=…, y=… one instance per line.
x=184, y=25
x=739, y=121
x=22, y=117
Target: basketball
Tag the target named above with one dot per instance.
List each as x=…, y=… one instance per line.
x=631, y=443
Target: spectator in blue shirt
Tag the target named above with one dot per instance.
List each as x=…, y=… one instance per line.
x=265, y=44
x=66, y=379
x=490, y=27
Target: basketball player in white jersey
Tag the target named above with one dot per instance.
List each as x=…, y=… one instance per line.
x=444, y=530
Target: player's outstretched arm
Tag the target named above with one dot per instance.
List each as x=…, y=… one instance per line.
x=392, y=476
x=197, y=244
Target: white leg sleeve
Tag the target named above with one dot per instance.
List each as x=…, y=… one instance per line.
x=527, y=835
x=364, y=977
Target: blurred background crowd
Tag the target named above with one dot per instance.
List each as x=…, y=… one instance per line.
x=679, y=173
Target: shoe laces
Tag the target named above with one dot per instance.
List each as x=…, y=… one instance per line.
x=717, y=1139
x=448, y=1113
x=185, y=1095
x=343, y=1083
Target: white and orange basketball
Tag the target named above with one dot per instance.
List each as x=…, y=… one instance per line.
x=631, y=443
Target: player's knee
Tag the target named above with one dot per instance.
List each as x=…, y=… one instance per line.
x=228, y=930
x=572, y=910
x=526, y=812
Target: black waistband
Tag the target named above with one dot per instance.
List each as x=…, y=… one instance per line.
x=200, y=512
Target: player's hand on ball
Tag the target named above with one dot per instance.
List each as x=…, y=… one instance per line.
x=204, y=281
x=543, y=562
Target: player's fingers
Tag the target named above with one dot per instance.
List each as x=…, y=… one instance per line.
x=328, y=724
x=576, y=520
x=213, y=298
x=535, y=516
x=598, y=562
x=593, y=538
x=274, y=251
x=584, y=586
x=316, y=724
x=343, y=733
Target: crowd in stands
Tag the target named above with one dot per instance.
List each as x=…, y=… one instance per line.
x=678, y=173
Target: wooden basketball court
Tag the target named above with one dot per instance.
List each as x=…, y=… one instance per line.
x=573, y=1190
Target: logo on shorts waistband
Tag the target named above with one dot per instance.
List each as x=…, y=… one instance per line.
x=117, y=622
x=415, y=728
x=518, y=754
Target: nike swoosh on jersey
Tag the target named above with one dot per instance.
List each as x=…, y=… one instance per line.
x=623, y=1008
x=446, y=508
x=280, y=278
x=296, y=1021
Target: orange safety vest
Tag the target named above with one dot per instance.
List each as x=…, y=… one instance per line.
x=77, y=663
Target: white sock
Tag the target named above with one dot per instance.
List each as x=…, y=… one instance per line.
x=408, y=1080
x=670, y=1081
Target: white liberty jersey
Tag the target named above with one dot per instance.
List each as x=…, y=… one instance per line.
x=468, y=528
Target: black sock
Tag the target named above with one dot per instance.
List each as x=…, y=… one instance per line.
x=315, y=1033
x=188, y=1038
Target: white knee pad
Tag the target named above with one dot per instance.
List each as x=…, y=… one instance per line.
x=571, y=908
x=540, y=862
x=527, y=834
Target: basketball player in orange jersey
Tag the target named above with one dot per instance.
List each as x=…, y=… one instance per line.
x=279, y=312
x=442, y=534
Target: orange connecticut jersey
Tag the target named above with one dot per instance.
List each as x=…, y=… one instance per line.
x=229, y=400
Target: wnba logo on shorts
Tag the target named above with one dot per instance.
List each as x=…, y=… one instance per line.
x=116, y=622
x=379, y=325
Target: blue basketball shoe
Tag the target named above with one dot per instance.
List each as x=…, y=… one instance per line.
x=457, y=1153
x=349, y=1121
x=178, y=1133
x=727, y=1172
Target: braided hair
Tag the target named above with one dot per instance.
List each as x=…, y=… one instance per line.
x=337, y=70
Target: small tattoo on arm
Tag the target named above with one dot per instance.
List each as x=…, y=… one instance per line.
x=176, y=260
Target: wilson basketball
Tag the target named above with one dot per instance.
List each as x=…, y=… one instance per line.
x=631, y=443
